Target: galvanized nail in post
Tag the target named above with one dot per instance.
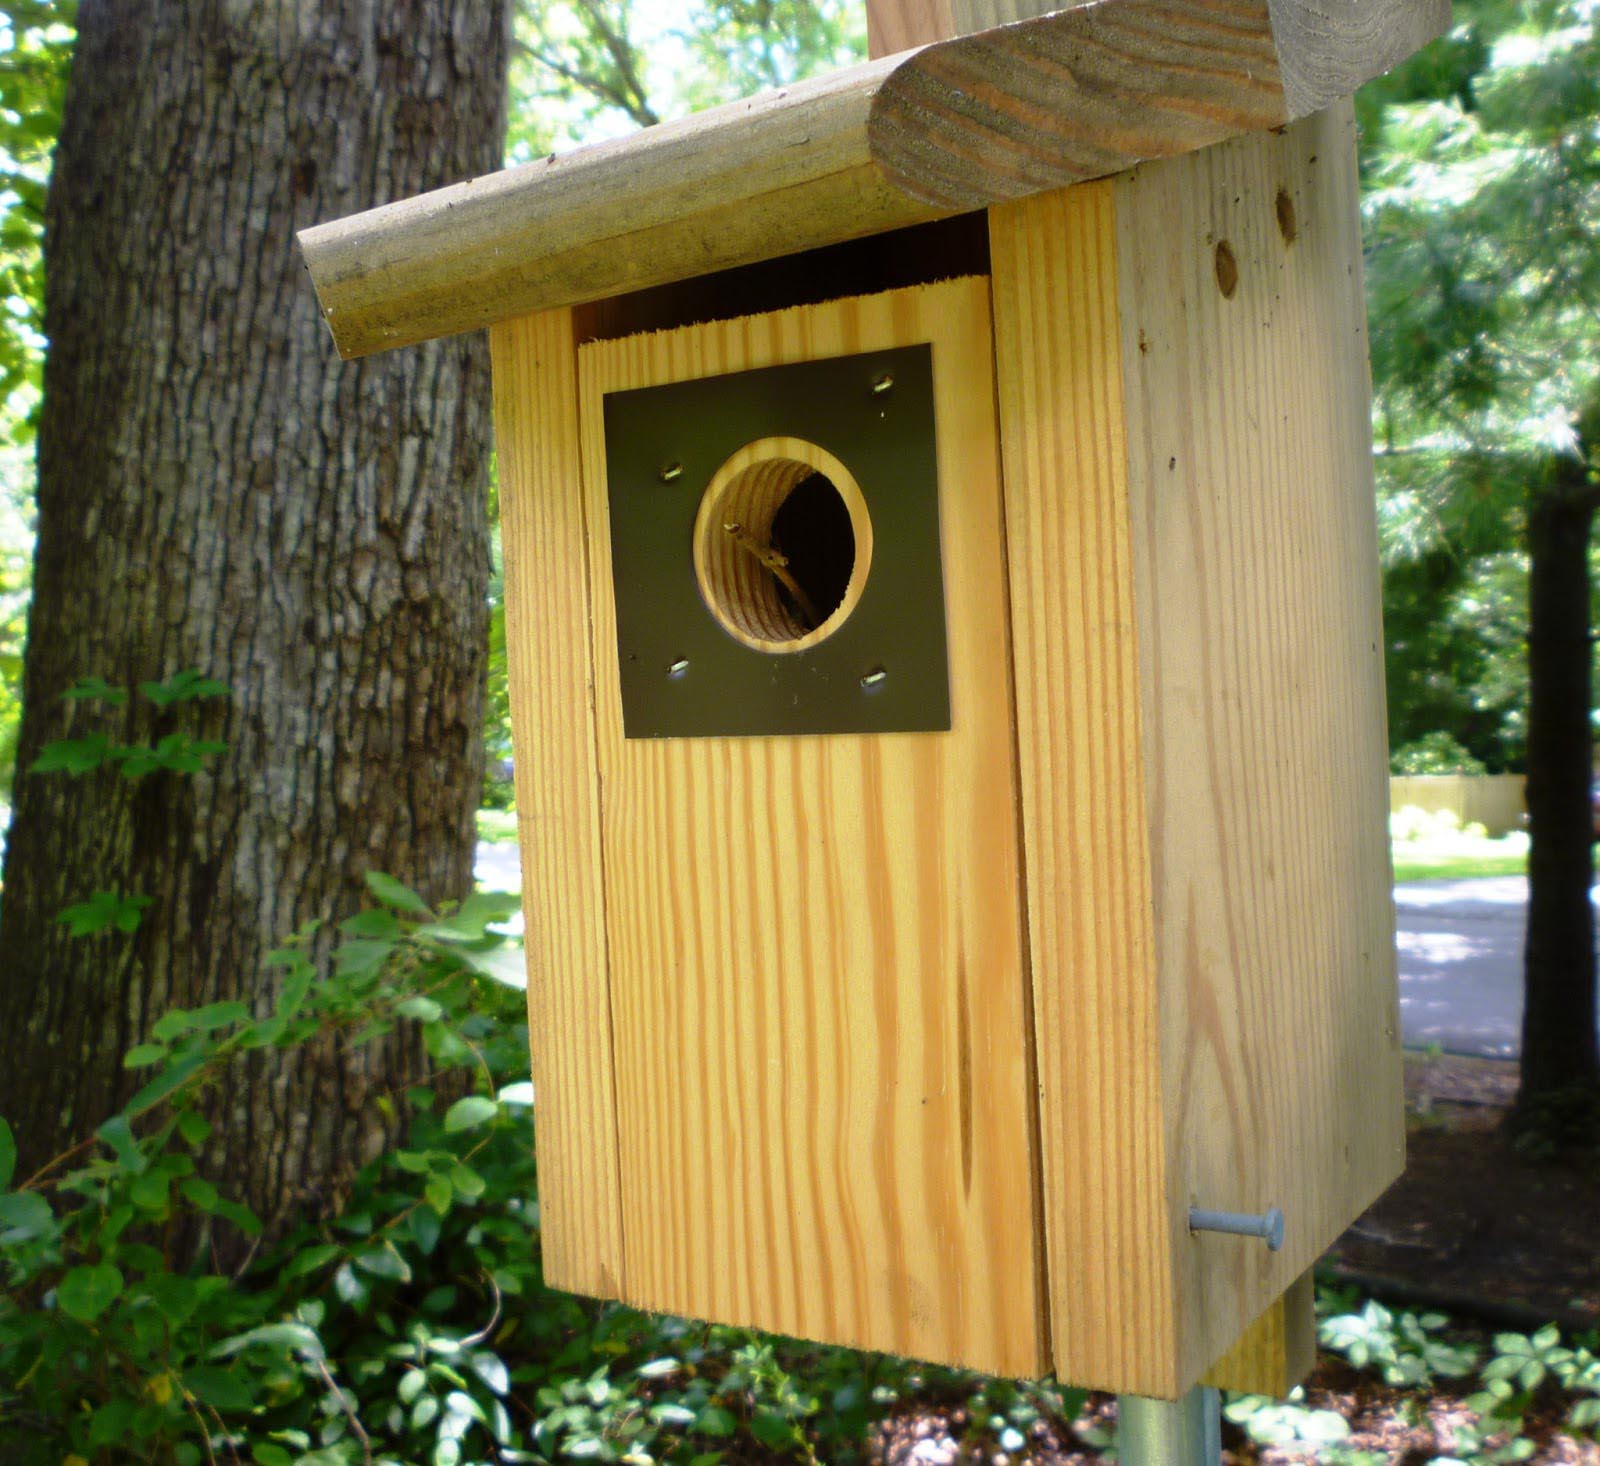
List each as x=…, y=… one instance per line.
x=1267, y=1225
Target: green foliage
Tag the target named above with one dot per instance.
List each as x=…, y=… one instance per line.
x=172, y=753
x=1434, y=753
x=1482, y=206
x=587, y=69
x=1407, y=1350
x=413, y=1325
x=35, y=52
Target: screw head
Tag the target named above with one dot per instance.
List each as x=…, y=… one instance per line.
x=669, y=471
x=873, y=678
x=678, y=668
x=882, y=383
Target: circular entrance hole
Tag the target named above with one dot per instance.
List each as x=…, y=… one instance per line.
x=782, y=545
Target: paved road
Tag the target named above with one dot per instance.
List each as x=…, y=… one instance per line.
x=1460, y=945
x=1461, y=963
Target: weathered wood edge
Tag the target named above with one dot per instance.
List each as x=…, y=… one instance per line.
x=1000, y=114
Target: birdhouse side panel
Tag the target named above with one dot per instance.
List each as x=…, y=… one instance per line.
x=822, y=1035
x=547, y=587
x=1110, y=1222
x=1261, y=651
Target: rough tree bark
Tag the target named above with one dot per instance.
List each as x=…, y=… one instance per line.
x=1559, y=1053
x=217, y=492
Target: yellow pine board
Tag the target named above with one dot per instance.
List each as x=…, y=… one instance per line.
x=1277, y=1351
x=558, y=817
x=1111, y=1226
x=1250, y=478
x=821, y=1024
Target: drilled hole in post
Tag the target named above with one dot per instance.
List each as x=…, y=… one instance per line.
x=782, y=545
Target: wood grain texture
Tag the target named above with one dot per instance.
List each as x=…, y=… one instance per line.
x=1277, y=1351
x=816, y=944
x=1193, y=566
x=1112, y=1228
x=898, y=25
x=1003, y=113
x=1248, y=405
x=1327, y=48
x=558, y=818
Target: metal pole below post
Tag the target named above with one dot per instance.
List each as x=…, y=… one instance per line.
x=1186, y=1432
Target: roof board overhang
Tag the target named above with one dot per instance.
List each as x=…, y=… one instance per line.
x=1000, y=114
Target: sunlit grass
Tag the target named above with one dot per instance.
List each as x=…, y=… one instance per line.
x=1433, y=846
x=497, y=826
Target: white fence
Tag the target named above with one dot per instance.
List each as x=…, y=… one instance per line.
x=1494, y=801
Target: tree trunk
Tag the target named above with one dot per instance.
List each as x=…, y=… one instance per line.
x=217, y=492
x=1559, y=1055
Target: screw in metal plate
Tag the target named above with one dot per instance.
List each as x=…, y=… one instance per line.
x=669, y=471
x=882, y=383
x=1267, y=1225
x=874, y=677
x=679, y=667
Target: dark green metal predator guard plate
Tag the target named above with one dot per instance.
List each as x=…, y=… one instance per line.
x=722, y=687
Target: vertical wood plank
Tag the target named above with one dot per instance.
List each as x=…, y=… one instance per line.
x=1250, y=469
x=1277, y=1351
x=1111, y=1226
x=1193, y=568
x=816, y=943
x=558, y=818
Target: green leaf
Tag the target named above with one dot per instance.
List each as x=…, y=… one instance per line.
x=110, y=1424
x=24, y=1215
x=504, y=964
x=95, y=687
x=141, y=1055
x=72, y=755
x=773, y=1429
x=440, y=1193
x=309, y=1259
x=384, y=1262
x=118, y=1134
x=102, y=912
x=293, y=993
x=469, y=1112
x=221, y=1389
x=267, y=1454
x=715, y=1421
x=424, y=1010
x=177, y=1073
x=194, y=1128
x=491, y=1369
x=182, y=687
x=217, y=1015
x=426, y=1228
x=466, y=1181
x=389, y=891
x=149, y=1191
x=286, y=1337
x=199, y=1193
x=374, y=923
x=8, y=1155
x=86, y=1292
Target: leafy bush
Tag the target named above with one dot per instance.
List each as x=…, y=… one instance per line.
x=414, y=1326
x=1435, y=753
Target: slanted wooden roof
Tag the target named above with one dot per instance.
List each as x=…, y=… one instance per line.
x=941, y=129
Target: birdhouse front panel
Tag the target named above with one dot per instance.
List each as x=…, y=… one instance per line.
x=813, y=954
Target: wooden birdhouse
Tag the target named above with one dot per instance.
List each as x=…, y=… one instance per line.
x=943, y=615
